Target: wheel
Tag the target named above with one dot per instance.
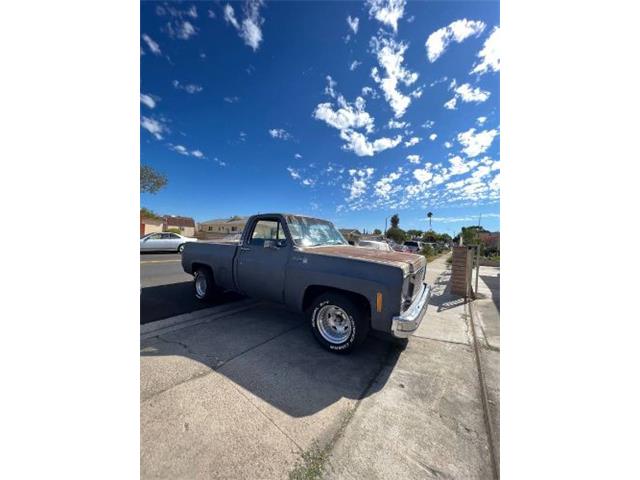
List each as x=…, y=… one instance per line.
x=337, y=322
x=181, y=248
x=204, y=286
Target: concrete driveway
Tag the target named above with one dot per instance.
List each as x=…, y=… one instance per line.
x=245, y=395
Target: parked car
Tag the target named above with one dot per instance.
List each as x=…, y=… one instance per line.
x=164, y=242
x=307, y=265
x=396, y=247
x=413, y=246
x=374, y=245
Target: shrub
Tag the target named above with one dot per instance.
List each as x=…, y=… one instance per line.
x=174, y=230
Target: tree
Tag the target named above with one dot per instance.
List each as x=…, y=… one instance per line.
x=377, y=231
x=396, y=234
x=151, y=180
x=430, y=236
x=395, y=221
x=429, y=215
x=414, y=233
x=145, y=212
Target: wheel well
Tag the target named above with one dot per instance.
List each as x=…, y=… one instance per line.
x=313, y=291
x=197, y=266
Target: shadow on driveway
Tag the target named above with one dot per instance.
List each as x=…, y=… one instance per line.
x=271, y=353
x=164, y=301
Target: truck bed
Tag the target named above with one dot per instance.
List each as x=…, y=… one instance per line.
x=218, y=254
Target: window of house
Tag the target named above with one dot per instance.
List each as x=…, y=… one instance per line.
x=210, y=228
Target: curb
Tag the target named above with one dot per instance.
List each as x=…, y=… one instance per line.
x=473, y=315
x=166, y=325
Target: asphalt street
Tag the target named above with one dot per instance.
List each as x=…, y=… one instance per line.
x=166, y=289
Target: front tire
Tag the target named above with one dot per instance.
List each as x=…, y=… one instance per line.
x=181, y=248
x=337, y=322
x=204, y=286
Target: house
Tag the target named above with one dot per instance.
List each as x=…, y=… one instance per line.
x=150, y=225
x=351, y=235
x=186, y=225
x=490, y=239
x=221, y=227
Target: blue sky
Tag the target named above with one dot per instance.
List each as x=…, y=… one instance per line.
x=349, y=111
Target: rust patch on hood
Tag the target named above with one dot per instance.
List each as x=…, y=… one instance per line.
x=409, y=262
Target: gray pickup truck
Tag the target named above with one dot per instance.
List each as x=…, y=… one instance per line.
x=306, y=264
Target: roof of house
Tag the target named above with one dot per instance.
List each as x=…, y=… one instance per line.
x=226, y=220
x=179, y=221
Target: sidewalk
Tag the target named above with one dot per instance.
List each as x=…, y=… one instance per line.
x=428, y=421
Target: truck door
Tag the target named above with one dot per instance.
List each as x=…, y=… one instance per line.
x=262, y=260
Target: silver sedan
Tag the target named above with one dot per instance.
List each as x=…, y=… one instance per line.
x=164, y=242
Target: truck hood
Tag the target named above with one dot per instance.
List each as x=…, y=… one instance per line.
x=410, y=263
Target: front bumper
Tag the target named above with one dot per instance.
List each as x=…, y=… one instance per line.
x=404, y=325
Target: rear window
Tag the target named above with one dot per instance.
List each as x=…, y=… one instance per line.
x=411, y=244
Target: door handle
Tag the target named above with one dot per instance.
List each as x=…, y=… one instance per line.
x=245, y=249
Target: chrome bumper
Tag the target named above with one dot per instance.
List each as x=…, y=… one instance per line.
x=404, y=325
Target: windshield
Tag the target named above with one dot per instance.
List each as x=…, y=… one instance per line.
x=310, y=232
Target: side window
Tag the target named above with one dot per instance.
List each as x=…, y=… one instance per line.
x=155, y=236
x=174, y=236
x=267, y=230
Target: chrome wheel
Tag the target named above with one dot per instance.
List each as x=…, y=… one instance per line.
x=334, y=324
x=201, y=285
x=181, y=248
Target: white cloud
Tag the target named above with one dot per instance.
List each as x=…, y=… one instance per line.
x=355, y=64
x=448, y=144
x=185, y=30
x=412, y=141
x=294, y=173
x=329, y=89
x=384, y=187
x=359, y=182
x=153, y=126
x=361, y=146
x=353, y=23
x=428, y=124
x=182, y=150
x=433, y=136
x=249, y=29
x=348, y=116
x=148, y=100
x=467, y=94
x=230, y=16
x=396, y=124
x=153, y=46
x=489, y=55
x=368, y=91
x=451, y=104
x=456, y=31
x=413, y=158
x=423, y=175
x=387, y=11
x=390, y=57
x=298, y=156
x=476, y=143
x=280, y=133
x=480, y=121
x=231, y=99
x=189, y=87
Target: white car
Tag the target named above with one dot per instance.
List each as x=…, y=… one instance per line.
x=373, y=245
x=164, y=242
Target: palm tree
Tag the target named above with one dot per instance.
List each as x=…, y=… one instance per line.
x=429, y=215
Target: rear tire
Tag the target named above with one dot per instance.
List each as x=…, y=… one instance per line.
x=337, y=322
x=204, y=286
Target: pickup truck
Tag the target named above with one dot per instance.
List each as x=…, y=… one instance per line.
x=307, y=265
